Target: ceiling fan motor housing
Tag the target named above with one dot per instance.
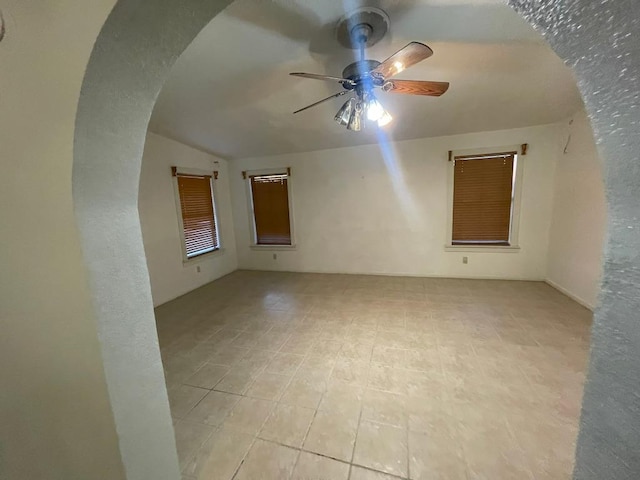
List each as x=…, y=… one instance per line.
x=360, y=73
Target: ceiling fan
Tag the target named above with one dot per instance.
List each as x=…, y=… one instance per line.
x=363, y=28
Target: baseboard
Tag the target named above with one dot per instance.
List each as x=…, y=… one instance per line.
x=400, y=274
x=572, y=296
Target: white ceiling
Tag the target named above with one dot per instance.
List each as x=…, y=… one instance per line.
x=230, y=92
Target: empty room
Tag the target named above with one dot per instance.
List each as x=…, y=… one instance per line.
x=396, y=282
x=293, y=239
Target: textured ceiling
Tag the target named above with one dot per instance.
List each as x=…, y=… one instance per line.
x=230, y=92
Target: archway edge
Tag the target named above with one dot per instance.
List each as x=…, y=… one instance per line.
x=134, y=52
x=131, y=58
x=597, y=39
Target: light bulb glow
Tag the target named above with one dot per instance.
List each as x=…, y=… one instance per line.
x=374, y=110
x=385, y=119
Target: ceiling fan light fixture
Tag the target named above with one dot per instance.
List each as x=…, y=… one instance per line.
x=344, y=114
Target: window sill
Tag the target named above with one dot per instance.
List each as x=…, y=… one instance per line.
x=272, y=247
x=482, y=248
x=203, y=257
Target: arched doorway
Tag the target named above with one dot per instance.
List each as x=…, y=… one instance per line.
x=134, y=52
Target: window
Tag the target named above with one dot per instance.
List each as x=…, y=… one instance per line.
x=196, y=214
x=269, y=195
x=483, y=199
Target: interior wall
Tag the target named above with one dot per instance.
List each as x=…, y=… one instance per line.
x=169, y=276
x=383, y=210
x=55, y=414
x=574, y=262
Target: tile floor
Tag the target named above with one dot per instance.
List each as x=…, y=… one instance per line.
x=308, y=376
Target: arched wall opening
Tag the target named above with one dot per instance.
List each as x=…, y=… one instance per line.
x=131, y=58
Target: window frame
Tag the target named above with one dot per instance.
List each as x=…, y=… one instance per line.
x=196, y=172
x=251, y=213
x=516, y=203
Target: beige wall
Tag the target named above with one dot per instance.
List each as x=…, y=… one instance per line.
x=170, y=277
x=355, y=212
x=56, y=420
x=574, y=263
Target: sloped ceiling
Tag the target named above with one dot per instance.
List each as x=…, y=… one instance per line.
x=230, y=92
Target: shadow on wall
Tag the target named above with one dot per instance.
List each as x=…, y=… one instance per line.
x=2, y=27
x=131, y=58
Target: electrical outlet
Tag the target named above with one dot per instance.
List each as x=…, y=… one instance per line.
x=465, y=260
x=198, y=268
x=275, y=256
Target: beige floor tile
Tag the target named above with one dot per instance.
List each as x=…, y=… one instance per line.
x=313, y=375
x=384, y=407
x=359, y=473
x=254, y=362
x=288, y=425
x=189, y=437
x=228, y=356
x=318, y=361
x=429, y=415
x=207, y=376
x=435, y=457
x=359, y=334
x=382, y=447
x=389, y=379
x=315, y=467
x=236, y=381
x=284, y=363
x=267, y=461
x=249, y=414
x=298, y=344
x=220, y=456
x=344, y=398
x=183, y=398
x=350, y=371
x=391, y=357
x=213, y=408
x=303, y=393
x=424, y=360
x=268, y=386
x=356, y=351
x=326, y=347
x=332, y=435
x=426, y=384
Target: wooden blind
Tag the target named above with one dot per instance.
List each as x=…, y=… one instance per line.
x=271, y=209
x=198, y=218
x=482, y=194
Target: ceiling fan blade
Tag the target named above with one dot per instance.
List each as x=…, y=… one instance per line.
x=315, y=76
x=339, y=94
x=416, y=87
x=401, y=60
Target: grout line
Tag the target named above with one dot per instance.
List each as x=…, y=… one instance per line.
x=303, y=450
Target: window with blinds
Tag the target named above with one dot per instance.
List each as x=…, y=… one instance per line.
x=198, y=215
x=270, y=196
x=483, y=199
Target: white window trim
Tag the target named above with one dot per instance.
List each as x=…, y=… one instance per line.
x=252, y=224
x=186, y=261
x=514, y=234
